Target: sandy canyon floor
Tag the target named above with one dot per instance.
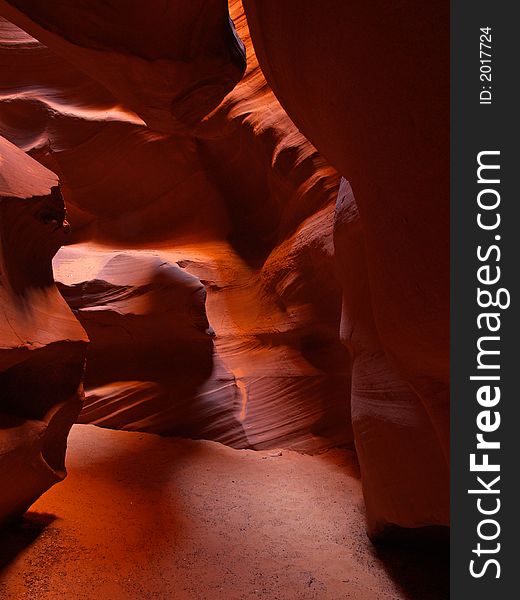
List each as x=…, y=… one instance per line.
x=144, y=517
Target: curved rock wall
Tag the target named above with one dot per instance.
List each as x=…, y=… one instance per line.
x=239, y=203
x=403, y=467
x=228, y=291
x=171, y=64
x=42, y=346
x=369, y=86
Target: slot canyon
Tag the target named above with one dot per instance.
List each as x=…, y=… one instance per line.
x=224, y=282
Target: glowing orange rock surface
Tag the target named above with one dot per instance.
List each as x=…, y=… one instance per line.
x=228, y=291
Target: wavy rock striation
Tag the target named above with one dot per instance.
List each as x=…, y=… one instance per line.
x=228, y=291
x=241, y=204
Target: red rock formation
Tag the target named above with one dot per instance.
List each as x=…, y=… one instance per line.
x=172, y=184
x=150, y=362
x=244, y=204
x=403, y=467
x=171, y=64
x=42, y=346
x=369, y=85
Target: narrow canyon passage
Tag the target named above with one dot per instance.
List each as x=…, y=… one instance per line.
x=223, y=270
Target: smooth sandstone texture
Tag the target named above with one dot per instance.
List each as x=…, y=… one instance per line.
x=368, y=84
x=42, y=346
x=151, y=358
x=403, y=467
x=171, y=64
x=244, y=204
x=221, y=362
x=164, y=173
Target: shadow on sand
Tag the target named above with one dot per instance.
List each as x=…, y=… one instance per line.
x=21, y=534
x=422, y=573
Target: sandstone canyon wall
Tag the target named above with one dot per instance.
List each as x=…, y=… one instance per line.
x=202, y=259
x=227, y=289
x=42, y=346
x=370, y=88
